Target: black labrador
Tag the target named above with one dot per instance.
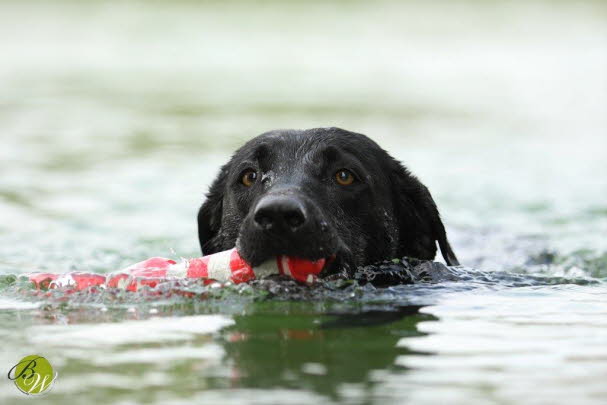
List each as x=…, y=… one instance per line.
x=320, y=193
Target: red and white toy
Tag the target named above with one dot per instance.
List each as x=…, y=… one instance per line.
x=221, y=267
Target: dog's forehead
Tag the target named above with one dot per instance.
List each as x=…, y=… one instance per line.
x=300, y=146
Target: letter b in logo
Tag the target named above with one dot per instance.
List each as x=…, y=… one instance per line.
x=33, y=375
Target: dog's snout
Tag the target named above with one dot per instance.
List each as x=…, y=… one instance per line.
x=280, y=213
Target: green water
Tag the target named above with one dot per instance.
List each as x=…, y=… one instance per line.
x=115, y=117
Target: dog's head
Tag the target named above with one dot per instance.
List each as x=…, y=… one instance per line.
x=320, y=193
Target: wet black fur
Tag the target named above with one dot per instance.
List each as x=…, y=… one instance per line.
x=386, y=213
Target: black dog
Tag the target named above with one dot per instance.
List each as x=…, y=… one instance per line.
x=320, y=193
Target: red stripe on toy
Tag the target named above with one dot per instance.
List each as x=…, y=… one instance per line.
x=241, y=271
x=85, y=280
x=42, y=280
x=197, y=268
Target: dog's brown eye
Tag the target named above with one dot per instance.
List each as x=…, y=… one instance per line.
x=249, y=177
x=344, y=177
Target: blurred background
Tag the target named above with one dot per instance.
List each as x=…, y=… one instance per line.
x=115, y=117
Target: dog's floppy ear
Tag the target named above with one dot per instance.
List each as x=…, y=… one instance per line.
x=210, y=215
x=420, y=226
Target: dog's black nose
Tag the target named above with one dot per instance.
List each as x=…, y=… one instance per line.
x=279, y=213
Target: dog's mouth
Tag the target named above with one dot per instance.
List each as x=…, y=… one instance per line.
x=263, y=253
x=323, y=261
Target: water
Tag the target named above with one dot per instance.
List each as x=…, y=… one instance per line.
x=115, y=117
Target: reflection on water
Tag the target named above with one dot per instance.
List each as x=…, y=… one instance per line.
x=114, y=118
x=304, y=351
